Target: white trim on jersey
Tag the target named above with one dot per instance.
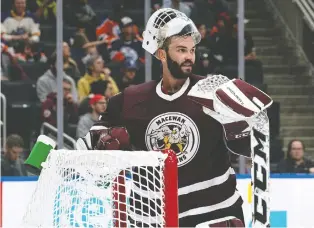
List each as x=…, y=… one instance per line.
x=147, y=194
x=206, y=184
x=145, y=219
x=188, y=189
x=202, y=210
x=175, y=95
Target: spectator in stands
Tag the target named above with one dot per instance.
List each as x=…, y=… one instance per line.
x=128, y=75
x=102, y=87
x=219, y=29
x=47, y=83
x=129, y=45
x=225, y=49
x=227, y=43
x=109, y=91
x=98, y=104
x=248, y=165
x=6, y=52
x=82, y=55
x=207, y=11
x=79, y=11
x=205, y=63
x=8, y=58
x=80, y=39
x=19, y=25
x=69, y=65
x=95, y=71
x=44, y=10
x=29, y=52
x=205, y=41
x=99, y=87
x=49, y=107
x=109, y=29
x=11, y=162
x=295, y=161
x=3, y=76
x=156, y=5
x=92, y=50
x=178, y=5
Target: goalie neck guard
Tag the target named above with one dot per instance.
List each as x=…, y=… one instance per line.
x=165, y=23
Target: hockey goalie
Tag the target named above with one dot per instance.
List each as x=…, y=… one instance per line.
x=202, y=119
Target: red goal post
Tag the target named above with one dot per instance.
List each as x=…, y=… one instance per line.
x=170, y=189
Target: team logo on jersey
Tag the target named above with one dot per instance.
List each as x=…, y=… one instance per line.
x=174, y=131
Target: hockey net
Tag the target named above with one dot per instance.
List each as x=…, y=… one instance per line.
x=105, y=189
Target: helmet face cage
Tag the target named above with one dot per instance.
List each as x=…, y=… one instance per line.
x=166, y=23
x=165, y=16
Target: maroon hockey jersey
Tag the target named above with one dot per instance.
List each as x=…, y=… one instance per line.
x=156, y=121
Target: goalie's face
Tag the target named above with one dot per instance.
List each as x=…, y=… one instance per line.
x=180, y=56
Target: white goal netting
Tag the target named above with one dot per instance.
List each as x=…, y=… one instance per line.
x=102, y=189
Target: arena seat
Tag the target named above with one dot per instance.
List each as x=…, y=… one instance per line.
x=22, y=112
x=32, y=70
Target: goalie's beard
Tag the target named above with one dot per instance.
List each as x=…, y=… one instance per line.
x=176, y=70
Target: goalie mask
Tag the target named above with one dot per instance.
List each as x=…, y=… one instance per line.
x=165, y=23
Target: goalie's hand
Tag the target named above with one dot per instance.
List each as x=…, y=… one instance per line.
x=233, y=103
x=103, y=138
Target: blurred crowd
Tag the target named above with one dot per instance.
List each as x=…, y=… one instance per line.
x=102, y=55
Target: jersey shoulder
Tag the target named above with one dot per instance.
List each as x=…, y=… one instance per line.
x=138, y=93
x=145, y=87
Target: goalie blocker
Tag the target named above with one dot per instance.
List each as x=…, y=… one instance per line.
x=241, y=109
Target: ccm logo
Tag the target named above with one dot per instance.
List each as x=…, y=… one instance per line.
x=260, y=184
x=242, y=135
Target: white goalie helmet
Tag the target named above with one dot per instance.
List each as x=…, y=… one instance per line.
x=165, y=23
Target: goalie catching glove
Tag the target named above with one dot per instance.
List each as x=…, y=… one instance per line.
x=234, y=103
x=103, y=138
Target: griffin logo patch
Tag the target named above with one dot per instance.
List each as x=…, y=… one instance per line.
x=174, y=131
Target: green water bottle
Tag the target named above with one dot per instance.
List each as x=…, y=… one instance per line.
x=40, y=151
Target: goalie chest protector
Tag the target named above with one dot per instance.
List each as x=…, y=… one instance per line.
x=207, y=183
